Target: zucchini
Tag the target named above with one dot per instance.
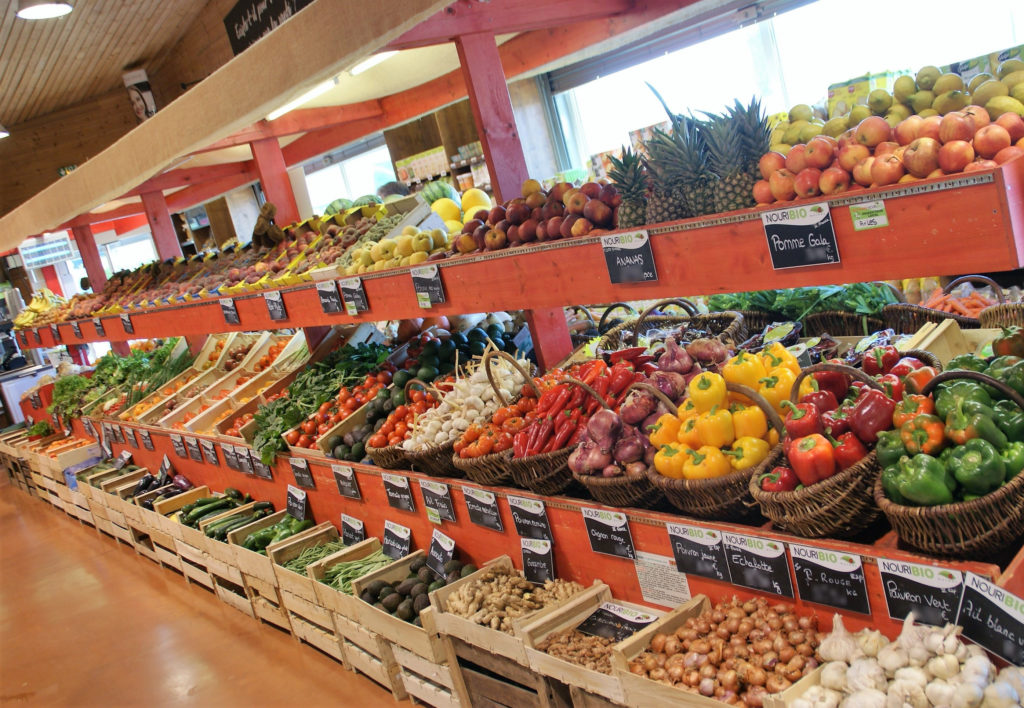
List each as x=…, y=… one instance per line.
x=203, y=509
x=233, y=493
x=263, y=506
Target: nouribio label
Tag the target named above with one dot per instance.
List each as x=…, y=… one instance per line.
x=993, y=618
x=698, y=551
x=932, y=592
x=800, y=236
x=538, y=560
x=530, y=518
x=758, y=563
x=609, y=533
x=437, y=497
x=398, y=492
x=482, y=507
x=832, y=578
x=440, y=553
x=397, y=540
x=345, y=478
x=614, y=621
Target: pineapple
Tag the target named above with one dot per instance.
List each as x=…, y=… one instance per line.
x=698, y=184
x=667, y=201
x=628, y=175
x=736, y=140
x=756, y=135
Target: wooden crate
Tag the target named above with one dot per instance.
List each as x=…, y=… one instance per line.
x=293, y=583
x=167, y=507
x=233, y=594
x=218, y=549
x=586, y=699
x=142, y=542
x=256, y=565
x=493, y=680
x=327, y=596
x=76, y=456
x=425, y=680
x=786, y=698
x=319, y=637
x=194, y=564
x=380, y=667
x=266, y=602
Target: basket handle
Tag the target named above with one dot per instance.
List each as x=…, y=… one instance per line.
x=794, y=393
x=977, y=279
x=654, y=391
x=427, y=389
x=688, y=306
x=614, y=306
x=515, y=364
x=761, y=402
x=585, y=387
x=575, y=309
x=973, y=376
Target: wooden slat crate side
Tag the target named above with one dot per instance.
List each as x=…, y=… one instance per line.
x=383, y=670
x=290, y=548
x=426, y=691
x=227, y=571
x=327, y=643
x=268, y=612
x=440, y=674
x=357, y=634
x=305, y=609
x=250, y=562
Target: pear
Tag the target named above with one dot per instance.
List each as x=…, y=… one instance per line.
x=988, y=90
x=837, y=126
x=1008, y=67
x=904, y=88
x=811, y=130
x=927, y=77
x=858, y=113
x=781, y=148
x=1018, y=92
x=948, y=82
x=921, y=100
x=1004, y=104
x=1011, y=80
x=879, y=101
x=928, y=113
x=792, y=135
x=800, y=111
x=979, y=80
x=950, y=101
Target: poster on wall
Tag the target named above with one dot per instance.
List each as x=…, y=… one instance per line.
x=140, y=93
x=249, y=20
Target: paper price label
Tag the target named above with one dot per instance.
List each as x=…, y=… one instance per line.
x=100, y=329
x=345, y=478
x=426, y=281
x=800, y=236
x=397, y=540
x=869, y=215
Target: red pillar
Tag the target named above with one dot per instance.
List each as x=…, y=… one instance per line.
x=49, y=274
x=273, y=172
x=164, y=235
x=90, y=256
x=492, y=113
x=550, y=333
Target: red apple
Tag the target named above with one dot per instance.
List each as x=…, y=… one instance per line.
x=528, y=230
x=551, y=209
x=806, y=182
x=862, y=171
x=517, y=213
x=979, y=165
x=763, y=192
x=566, y=228
x=575, y=201
x=930, y=127
x=922, y=156
x=558, y=191
x=610, y=195
x=781, y=184
x=848, y=137
x=906, y=131
x=979, y=115
x=955, y=126
x=541, y=231
x=581, y=227
x=851, y=154
x=591, y=189
x=886, y=169
x=513, y=235
x=471, y=226
x=819, y=153
x=887, y=147
x=873, y=130
x=536, y=199
x=597, y=213
x=554, y=228
x=770, y=162
x=833, y=180
x=479, y=236
x=1013, y=124
x=796, y=160
x=990, y=140
x=955, y=155
x=494, y=240
x=465, y=243
x=1007, y=154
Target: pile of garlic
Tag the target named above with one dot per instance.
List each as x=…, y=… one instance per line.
x=925, y=666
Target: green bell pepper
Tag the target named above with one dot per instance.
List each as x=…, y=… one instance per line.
x=924, y=481
x=961, y=427
x=969, y=362
x=891, y=485
x=1013, y=458
x=889, y=448
x=1014, y=377
x=970, y=394
x=1010, y=419
x=998, y=365
x=977, y=466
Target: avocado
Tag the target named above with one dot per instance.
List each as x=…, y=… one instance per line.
x=417, y=622
x=447, y=367
x=356, y=452
x=385, y=592
x=382, y=396
x=368, y=597
x=477, y=347
x=452, y=577
x=340, y=452
x=446, y=352
x=405, y=587
x=452, y=565
x=420, y=603
x=468, y=569
x=436, y=585
x=417, y=563
x=495, y=330
x=459, y=339
x=418, y=589
x=431, y=361
x=378, y=425
x=477, y=334
x=404, y=610
x=425, y=574
x=333, y=441
x=375, y=587
x=428, y=373
x=391, y=602
x=430, y=348
x=398, y=396
x=401, y=378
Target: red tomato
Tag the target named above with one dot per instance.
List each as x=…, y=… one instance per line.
x=323, y=428
x=377, y=440
x=291, y=437
x=351, y=404
x=304, y=441
x=325, y=407
x=232, y=433
x=337, y=418
x=400, y=411
x=309, y=427
x=384, y=377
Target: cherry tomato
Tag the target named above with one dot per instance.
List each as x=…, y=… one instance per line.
x=384, y=377
x=420, y=407
x=401, y=429
x=351, y=404
x=338, y=417
x=323, y=417
x=377, y=440
x=394, y=440
x=388, y=427
x=416, y=395
x=304, y=441
x=291, y=437
x=325, y=407
x=459, y=446
x=323, y=428
x=232, y=433
x=401, y=411
x=309, y=427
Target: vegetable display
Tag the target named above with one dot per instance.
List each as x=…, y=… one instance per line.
x=340, y=575
x=589, y=651
x=331, y=412
x=219, y=529
x=498, y=596
x=258, y=541
x=408, y=598
x=311, y=555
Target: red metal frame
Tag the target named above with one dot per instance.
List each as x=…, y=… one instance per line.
x=164, y=236
x=90, y=256
x=273, y=175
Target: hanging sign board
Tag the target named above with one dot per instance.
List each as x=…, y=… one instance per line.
x=354, y=296
x=832, y=578
x=426, y=281
x=932, y=592
x=800, y=236
x=629, y=257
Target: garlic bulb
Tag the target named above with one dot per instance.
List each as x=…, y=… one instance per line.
x=865, y=698
x=1013, y=675
x=905, y=694
x=940, y=693
x=833, y=675
x=870, y=641
x=943, y=667
x=865, y=674
x=1000, y=695
x=912, y=674
x=840, y=644
x=967, y=695
x=817, y=697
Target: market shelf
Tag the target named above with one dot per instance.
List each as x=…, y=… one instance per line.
x=958, y=224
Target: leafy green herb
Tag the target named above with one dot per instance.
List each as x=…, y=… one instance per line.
x=40, y=428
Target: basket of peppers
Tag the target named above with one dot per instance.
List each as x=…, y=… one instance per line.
x=951, y=482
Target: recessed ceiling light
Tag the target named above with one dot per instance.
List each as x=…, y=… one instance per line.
x=317, y=90
x=42, y=9
x=4, y=132
x=372, y=61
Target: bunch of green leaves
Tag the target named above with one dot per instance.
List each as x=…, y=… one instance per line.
x=68, y=392
x=41, y=428
x=860, y=298
x=760, y=300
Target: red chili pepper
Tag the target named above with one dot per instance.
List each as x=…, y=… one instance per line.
x=626, y=354
x=871, y=415
x=905, y=365
x=812, y=459
x=519, y=443
x=559, y=403
x=621, y=378
x=848, y=450
x=640, y=360
x=802, y=420
x=824, y=401
x=648, y=368
x=544, y=436
x=893, y=385
x=834, y=381
x=581, y=431
x=780, y=479
x=601, y=387
x=567, y=427
x=915, y=381
x=599, y=368
x=547, y=398
x=878, y=360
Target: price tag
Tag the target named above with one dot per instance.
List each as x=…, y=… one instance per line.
x=530, y=518
x=629, y=257
x=76, y=328
x=243, y=459
x=833, y=578
x=399, y=493
x=105, y=447
x=931, y=591
x=118, y=434
x=230, y=311
x=438, y=497
x=70, y=479
x=397, y=540
x=261, y=470
x=275, y=305
x=165, y=468
x=613, y=621
x=55, y=332
x=296, y=502
x=698, y=551
x=122, y=460
x=348, y=485
x=229, y=455
x=352, y=530
x=426, y=281
x=209, y=451
x=98, y=324
x=39, y=337
x=758, y=563
x=147, y=440
x=330, y=297
x=869, y=215
x=609, y=533
x=482, y=507
x=300, y=470
x=441, y=551
x=800, y=236
x=993, y=618
x=36, y=401
x=126, y=322
x=353, y=295
x=193, y=449
x=130, y=436
x=538, y=560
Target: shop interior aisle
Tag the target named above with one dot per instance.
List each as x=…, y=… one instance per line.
x=85, y=622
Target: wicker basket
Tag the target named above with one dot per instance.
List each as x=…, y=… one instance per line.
x=842, y=324
x=580, y=338
x=1005, y=314
x=604, y=324
x=907, y=319
x=547, y=473
x=926, y=357
x=978, y=528
x=393, y=457
x=756, y=320
x=725, y=498
x=435, y=461
x=728, y=325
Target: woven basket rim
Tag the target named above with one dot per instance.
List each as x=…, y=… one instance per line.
x=940, y=512
x=546, y=455
x=599, y=481
x=431, y=451
x=686, y=485
x=471, y=462
x=920, y=309
x=734, y=315
x=810, y=494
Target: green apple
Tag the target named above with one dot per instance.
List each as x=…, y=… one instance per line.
x=422, y=242
x=403, y=246
x=800, y=111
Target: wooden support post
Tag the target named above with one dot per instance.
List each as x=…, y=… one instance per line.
x=164, y=236
x=196, y=342
x=120, y=348
x=51, y=280
x=90, y=256
x=550, y=333
x=273, y=173
x=315, y=335
x=492, y=113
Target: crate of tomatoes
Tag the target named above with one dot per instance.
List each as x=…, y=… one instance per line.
x=321, y=425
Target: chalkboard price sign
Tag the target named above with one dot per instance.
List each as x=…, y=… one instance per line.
x=348, y=485
x=296, y=502
x=98, y=324
x=76, y=328
x=259, y=468
x=629, y=257
x=398, y=491
x=301, y=472
x=230, y=311
x=37, y=402
x=354, y=295
x=131, y=436
x=397, y=540
x=147, y=439
x=758, y=563
x=482, y=507
x=932, y=592
x=800, y=236
x=352, y=530
x=244, y=461
x=613, y=621
x=275, y=305
x=698, y=551
x=538, y=560
x=609, y=533
x=126, y=322
x=441, y=551
x=193, y=449
x=179, y=446
x=833, y=578
x=330, y=297
x=39, y=337
x=993, y=618
x=530, y=518
x=55, y=332
x=438, y=497
x=230, y=459
x=209, y=451
x=123, y=459
x=426, y=281
x=118, y=434
x=165, y=467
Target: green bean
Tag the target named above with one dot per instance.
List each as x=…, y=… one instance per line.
x=340, y=575
x=312, y=555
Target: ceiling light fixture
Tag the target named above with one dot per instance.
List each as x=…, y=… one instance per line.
x=42, y=9
x=4, y=132
x=371, y=62
x=317, y=90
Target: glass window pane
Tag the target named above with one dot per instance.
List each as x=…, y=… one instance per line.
x=325, y=186
x=368, y=171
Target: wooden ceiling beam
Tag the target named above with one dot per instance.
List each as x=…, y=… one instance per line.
x=99, y=217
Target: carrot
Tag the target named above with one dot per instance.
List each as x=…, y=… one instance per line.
x=959, y=308
x=935, y=299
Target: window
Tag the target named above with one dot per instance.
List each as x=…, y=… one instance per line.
x=131, y=252
x=351, y=178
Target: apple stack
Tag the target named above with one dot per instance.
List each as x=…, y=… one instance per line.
x=563, y=212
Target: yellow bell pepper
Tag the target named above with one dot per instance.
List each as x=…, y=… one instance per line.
x=707, y=390
x=808, y=385
x=772, y=437
x=669, y=460
x=747, y=452
x=748, y=421
x=715, y=427
x=745, y=369
x=688, y=434
x=665, y=430
x=686, y=410
x=706, y=463
x=776, y=355
x=777, y=386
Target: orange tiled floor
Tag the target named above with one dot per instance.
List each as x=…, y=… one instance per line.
x=84, y=621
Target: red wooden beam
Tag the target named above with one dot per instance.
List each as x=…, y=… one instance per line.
x=100, y=217
x=164, y=236
x=189, y=176
x=202, y=193
x=273, y=174
x=90, y=257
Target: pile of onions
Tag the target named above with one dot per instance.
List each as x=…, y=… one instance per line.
x=737, y=652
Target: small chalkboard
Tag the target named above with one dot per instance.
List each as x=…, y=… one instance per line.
x=192, y=445
x=39, y=337
x=76, y=328
x=530, y=518
x=538, y=560
x=397, y=540
x=209, y=451
x=629, y=257
x=55, y=332
x=440, y=552
x=108, y=452
x=482, y=507
x=230, y=311
x=118, y=434
x=833, y=578
x=330, y=297
x=126, y=322
x=698, y=551
x=613, y=621
x=758, y=563
x=800, y=236
x=229, y=456
x=353, y=295
x=123, y=459
x=398, y=491
x=100, y=329
x=244, y=461
x=37, y=402
x=179, y=446
x=165, y=467
x=352, y=530
x=301, y=472
x=993, y=618
x=147, y=439
x=296, y=502
x=130, y=436
x=608, y=532
x=345, y=478
x=275, y=305
x=260, y=468
x=438, y=497
x=931, y=591
x=426, y=281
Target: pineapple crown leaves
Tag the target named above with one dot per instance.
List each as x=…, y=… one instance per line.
x=628, y=173
x=681, y=154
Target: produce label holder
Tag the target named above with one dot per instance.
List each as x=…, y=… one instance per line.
x=353, y=295
x=259, y=467
x=348, y=485
x=330, y=297
x=275, y=305
x=39, y=337
x=932, y=593
x=126, y=322
x=538, y=560
x=178, y=443
x=758, y=563
x=244, y=461
x=426, y=281
x=698, y=551
x=131, y=436
x=869, y=215
x=440, y=552
x=297, y=503
x=830, y=578
x=609, y=533
x=437, y=498
x=397, y=540
x=193, y=449
x=398, y=491
x=530, y=517
x=100, y=329
x=992, y=618
x=209, y=451
x=482, y=508
x=55, y=333
x=353, y=530
x=301, y=472
x=629, y=257
x=230, y=311
x=76, y=328
x=147, y=439
x=229, y=455
x=800, y=236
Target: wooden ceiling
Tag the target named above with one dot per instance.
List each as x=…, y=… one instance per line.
x=46, y=65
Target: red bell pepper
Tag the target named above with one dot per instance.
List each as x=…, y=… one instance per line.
x=834, y=381
x=878, y=360
x=893, y=386
x=802, y=420
x=780, y=479
x=630, y=354
x=915, y=381
x=905, y=365
x=871, y=415
x=812, y=459
x=848, y=450
x=910, y=407
x=824, y=401
x=837, y=421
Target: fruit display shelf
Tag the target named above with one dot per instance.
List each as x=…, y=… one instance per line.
x=955, y=224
